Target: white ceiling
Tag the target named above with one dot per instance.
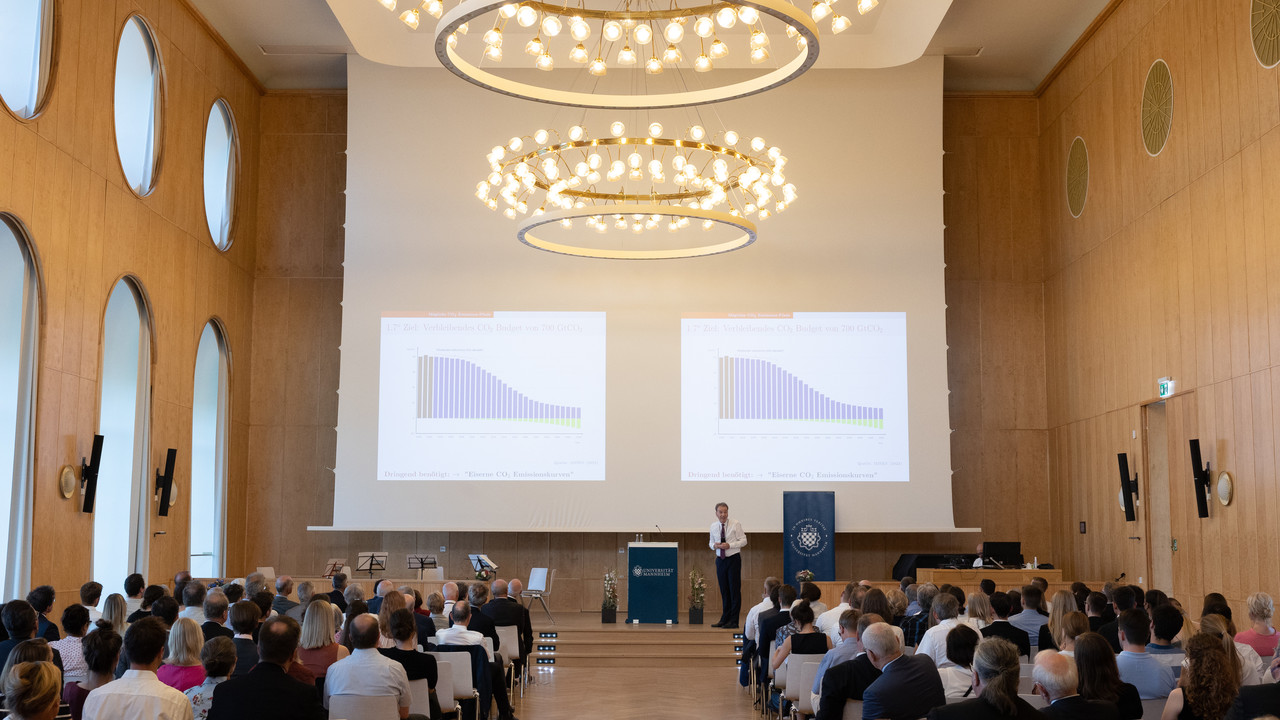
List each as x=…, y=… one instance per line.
x=1021, y=41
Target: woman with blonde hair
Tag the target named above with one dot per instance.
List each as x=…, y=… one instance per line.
x=1206, y=690
x=898, y=605
x=31, y=691
x=182, y=670
x=317, y=650
x=33, y=650
x=1073, y=625
x=392, y=602
x=116, y=612
x=1243, y=658
x=1262, y=636
x=1063, y=602
x=979, y=614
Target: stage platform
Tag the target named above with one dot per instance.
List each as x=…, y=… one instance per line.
x=582, y=640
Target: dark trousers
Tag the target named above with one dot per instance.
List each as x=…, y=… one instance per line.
x=729, y=575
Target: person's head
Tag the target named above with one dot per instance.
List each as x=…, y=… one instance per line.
x=215, y=606
x=499, y=588
x=193, y=594
x=363, y=631
x=786, y=596
x=906, y=581
x=133, y=585
x=179, y=588
x=811, y=592
x=1122, y=599
x=185, y=641
x=33, y=690
x=284, y=585
x=961, y=641
x=925, y=595
x=461, y=613
x=911, y=591
x=849, y=623
x=383, y=588
x=1015, y=601
x=957, y=592
x=101, y=648
x=987, y=586
x=404, y=629
x=978, y=550
x=857, y=595
x=1222, y=609
x=478, y=594
x=722, y=512
x=244, y=617
x=875, y=601
x=1166, y=623
x=1032, y=598
x=116, y=611
x=234, y=593
x=1095, y=605
x=353, y=593
x=278, y=640
x=1139, y=597
x=19, y=619
x=515, y=587
x=218, y=656
x=254, y=583
x=144, y=643
x=339, y=581
x=1220, y=627
x=306, y=591
x=165, y=608
x=979, y=607
x=317, y=624
x=181, y=576
x=1096, y=666
x=897, y=602
x=1055, y=675
x=1078, y=587
x=1261, y=607
x=1135, y=629
x=802, y=614
x=450, y=591
x=33, y=650
x=1000, y=605
x=152, y=594
x=90, y=593
x=75, y=620
x=1210, y=682
x=1041, y=583
x=881, y=644
x=1155, y=598
x=41, y=598
x=262, y=599
x=1063, y=603
x=391, y=603
x=1073, y=625
x=435, y=604
x=945, y=607
x=995, y=674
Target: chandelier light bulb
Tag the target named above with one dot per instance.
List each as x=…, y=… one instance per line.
x=840, y=23
x=726, y=17
x=581, y=170
x=551, y=25
x=672, y=55
x=643, y=34
x=576, y=133
x=758, y=39
x=388, y=4
x=617, y=128
x=595, y=161
x=434, y=8
x=462, y=29
x=452, y=40
x=544, y=62
x=703, y=27
x=493, y=37
x=534, y=47
x=697, y=132
x=653, y=66
x=526, y=16
x=508, y=11
x=578, y=54
x=792, y=31
x=540, y=136
x=757, y=144
x=748, y=15
x=634, y=160
x=775, y=153
x=410, y=18
x=719, y=49
x=759, y=55
x=628, y=23
x=579, y=29
x=494, y=53
x=566, y=223
x=597, y=67
x=655, y=129
x=821, y=10
x=612, y=31
x=516, y=144
x=626, y=56
x=864, y=6
x=674, y=32
x=702, y=63
x=730, y=138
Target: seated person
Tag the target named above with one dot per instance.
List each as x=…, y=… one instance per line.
x=847, y=649
x=101, y=653
x=367, y=672
x=458, y=634
x=1057, y=682
x=215, y=616
x=957, y=674
x=31, y=691
x=908, y=686
x=1001, y=628
x=218, y=658
x=1166, y=623
x=417, y=665
x=1032, y=616
x=1206, y=689
x=244, y=621
x=75, y=623
x=139, y=693
x=1153, y=678
x=806, y=640
x=268, y=690
x=946, y=615
x=995, y=685
x=1100, y=678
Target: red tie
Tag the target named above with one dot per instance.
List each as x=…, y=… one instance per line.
x=721, y=550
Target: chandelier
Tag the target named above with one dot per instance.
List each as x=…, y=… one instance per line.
x=620, y=183
x=474, y=38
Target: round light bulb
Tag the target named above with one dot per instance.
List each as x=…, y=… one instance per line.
x=748, y=15
x=576, y=133
x=702, y=63
x=653, y=66
x=612, y=31
x=462, y=29
x=551, y=25
x=579, y=29
x=672, y=55
x=634, y=160
x=410, y=18
x=526, y=16
x=508, y=11
x=726, y=17
x=719, y=49
x=730, y=138
x=626, y=56
x=493, y=37
x=578, y=54
x=598, y=67
x=759, y=39
x=494, y=53
x=434, y=8
x=544, y=62
x=697, y=132
x=540, y=136
x=617, y=128
x=534, y=47
x=759, y=55
x=673, y=32
x=655, y=129
x=703, y=27
x=840, y=23
x=821, y=10
x=643, y=34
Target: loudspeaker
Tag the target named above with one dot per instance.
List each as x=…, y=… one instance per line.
x=89, y=475
x=1127, y=488
x=164, y=482
x=1199, y=479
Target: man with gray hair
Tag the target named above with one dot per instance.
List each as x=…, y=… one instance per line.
x=380, y=591
x=995, y=685
x=281, y=604
x=946, y=613
x=306, y=590
x=1058, y=683
x=908, y=686
x=450, y=593
x=914, y=626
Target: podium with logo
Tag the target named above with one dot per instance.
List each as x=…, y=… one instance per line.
x=653, y=588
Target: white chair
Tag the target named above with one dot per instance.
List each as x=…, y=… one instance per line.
x=539, y=588
x=460, y=663
x=444, y=685
x=1024, y=669
x=804, y=704
x=796, y=687
x=488, y=647
x=509, y=638
x=1026, y=685
x=852, y=710
x=420, y=690
x=360, y=707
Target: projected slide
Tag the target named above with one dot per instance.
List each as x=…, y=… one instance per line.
x=492, y=396
x=794, y=396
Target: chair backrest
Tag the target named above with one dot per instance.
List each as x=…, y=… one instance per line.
x=420, y=690
x=361, y=707
x=488, y=647
x=1024, y=669
x=444, y=681
x=537, y=580
x=768, y=659
x=796, y=686
x=1153, y=708
x=852, y=710
x=461, y=665
x=808, y=673
x=1026, y=685
x=509, y=639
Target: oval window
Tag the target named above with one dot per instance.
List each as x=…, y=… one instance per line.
x=221, y=153
x=26, y=54
x=138, y=107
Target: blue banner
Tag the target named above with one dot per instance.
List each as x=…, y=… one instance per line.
x=809, y=524
x=653, y=589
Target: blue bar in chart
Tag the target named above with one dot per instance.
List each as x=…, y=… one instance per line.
x=755, y=389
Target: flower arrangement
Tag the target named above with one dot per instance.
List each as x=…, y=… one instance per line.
x=610, y=601
x=697, y=589
x=804, y=576
x=485, y=575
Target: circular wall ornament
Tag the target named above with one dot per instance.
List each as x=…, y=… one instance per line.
x=1264, y=26
x=1225, y=488
x=1157, y=107
x=67, y=481
x=1077, y=177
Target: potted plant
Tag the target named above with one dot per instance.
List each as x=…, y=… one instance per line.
x=697, y=595
x=609, y=606
x=804, y=576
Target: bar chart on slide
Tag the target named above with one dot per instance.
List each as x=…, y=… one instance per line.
x=794, y=396
x=501, y=396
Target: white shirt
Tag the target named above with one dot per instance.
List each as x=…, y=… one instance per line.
x=138, y=694
x=131, y=605
x=195, y=613
x=74, y=667
x=732, y=534
x=368, y=673
x=94, y=614
x=752, y=626
x=460, y=635
x=956, y=681
x=829, y=622
x=934, y=642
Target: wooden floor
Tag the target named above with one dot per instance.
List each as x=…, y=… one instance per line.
x=633, y=693
x=582, y=640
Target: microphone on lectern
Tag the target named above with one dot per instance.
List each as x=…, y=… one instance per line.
x=659, y=529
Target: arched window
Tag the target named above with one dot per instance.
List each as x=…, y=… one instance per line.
x=120, y=514
x=139, y=106
x=209, y=452
x=221, y=160
x=26, y=54
x=19, y=337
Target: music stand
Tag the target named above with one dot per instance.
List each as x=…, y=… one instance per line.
x=421, y=562
x=481, y=563
x=371, y=562
x=333, y=567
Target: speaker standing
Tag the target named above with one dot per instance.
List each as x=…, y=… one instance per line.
x=727, y=540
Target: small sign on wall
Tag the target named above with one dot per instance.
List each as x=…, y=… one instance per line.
x=1165, y=385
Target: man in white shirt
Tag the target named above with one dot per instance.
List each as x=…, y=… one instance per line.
x=133, y=587
x=727, y=540
x=450, y=593
x=90, y=596
x=367, y=672
x=140, y=694
x=458, y=634
x=752, y=625
x=978, y=563
x=193, y=594
x=946, y=610
x=829, y=621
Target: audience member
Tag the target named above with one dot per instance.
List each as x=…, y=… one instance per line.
x=1207, y=689
x=506, y=612
x=134, y=584
x=31, y=650
x=1074, y=624
x=1139, y=598
x=180, y=587
x=392, y=602
x=1250, y=669
x=978, y=614
x=1109, y=612
x=806, y=640
x=913, y=606
x=957, y=674
x=946, y=615
x=353, y=593
x=426, y=628
x=846, y=648
x=306, y=591
x=1100, y=677
x=1058, y=683
x=1166, y=623
x=318, y=650
x=898, y=604
x=166, y=608
x=355, y=608
x=216, y=606
x=435, y=604
x=813, y=594
x=367, y=672
x=41, y=600
x=1095, y=606
x=771, y=622
x=263, y=599
x=1000, y=626
x=995, y=685
x=1153, y=678
x=281, y=604
x=267, y=691
x=477, y=596
x=987, y=586
x=254, y=583
x=1155, y=598
x=139, y=694
x=1261, y=636
x=417, y=665
x=1121, y=600
x=182, y=669
x=839, y=682
x=336, y=596
x=101, y=649
x=380, y=591
x=218, y=657
x=1033, y=617
x=115, y=610
x=20, y=622
x=234, y=593
x=450, y=592
x=908, y=686
x=876, y=602
x=90, y=596
x=1063, y=602
x=458, y=634
x=75, y=623
x=244, y=621
x=193, y=596
x=1015, y=602
x=827, y=622
x=31, y=691
x=149, y=596
x=914, y=626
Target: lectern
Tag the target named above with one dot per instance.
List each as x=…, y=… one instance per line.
x=652, y=586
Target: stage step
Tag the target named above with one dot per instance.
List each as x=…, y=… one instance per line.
x=636, y=646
